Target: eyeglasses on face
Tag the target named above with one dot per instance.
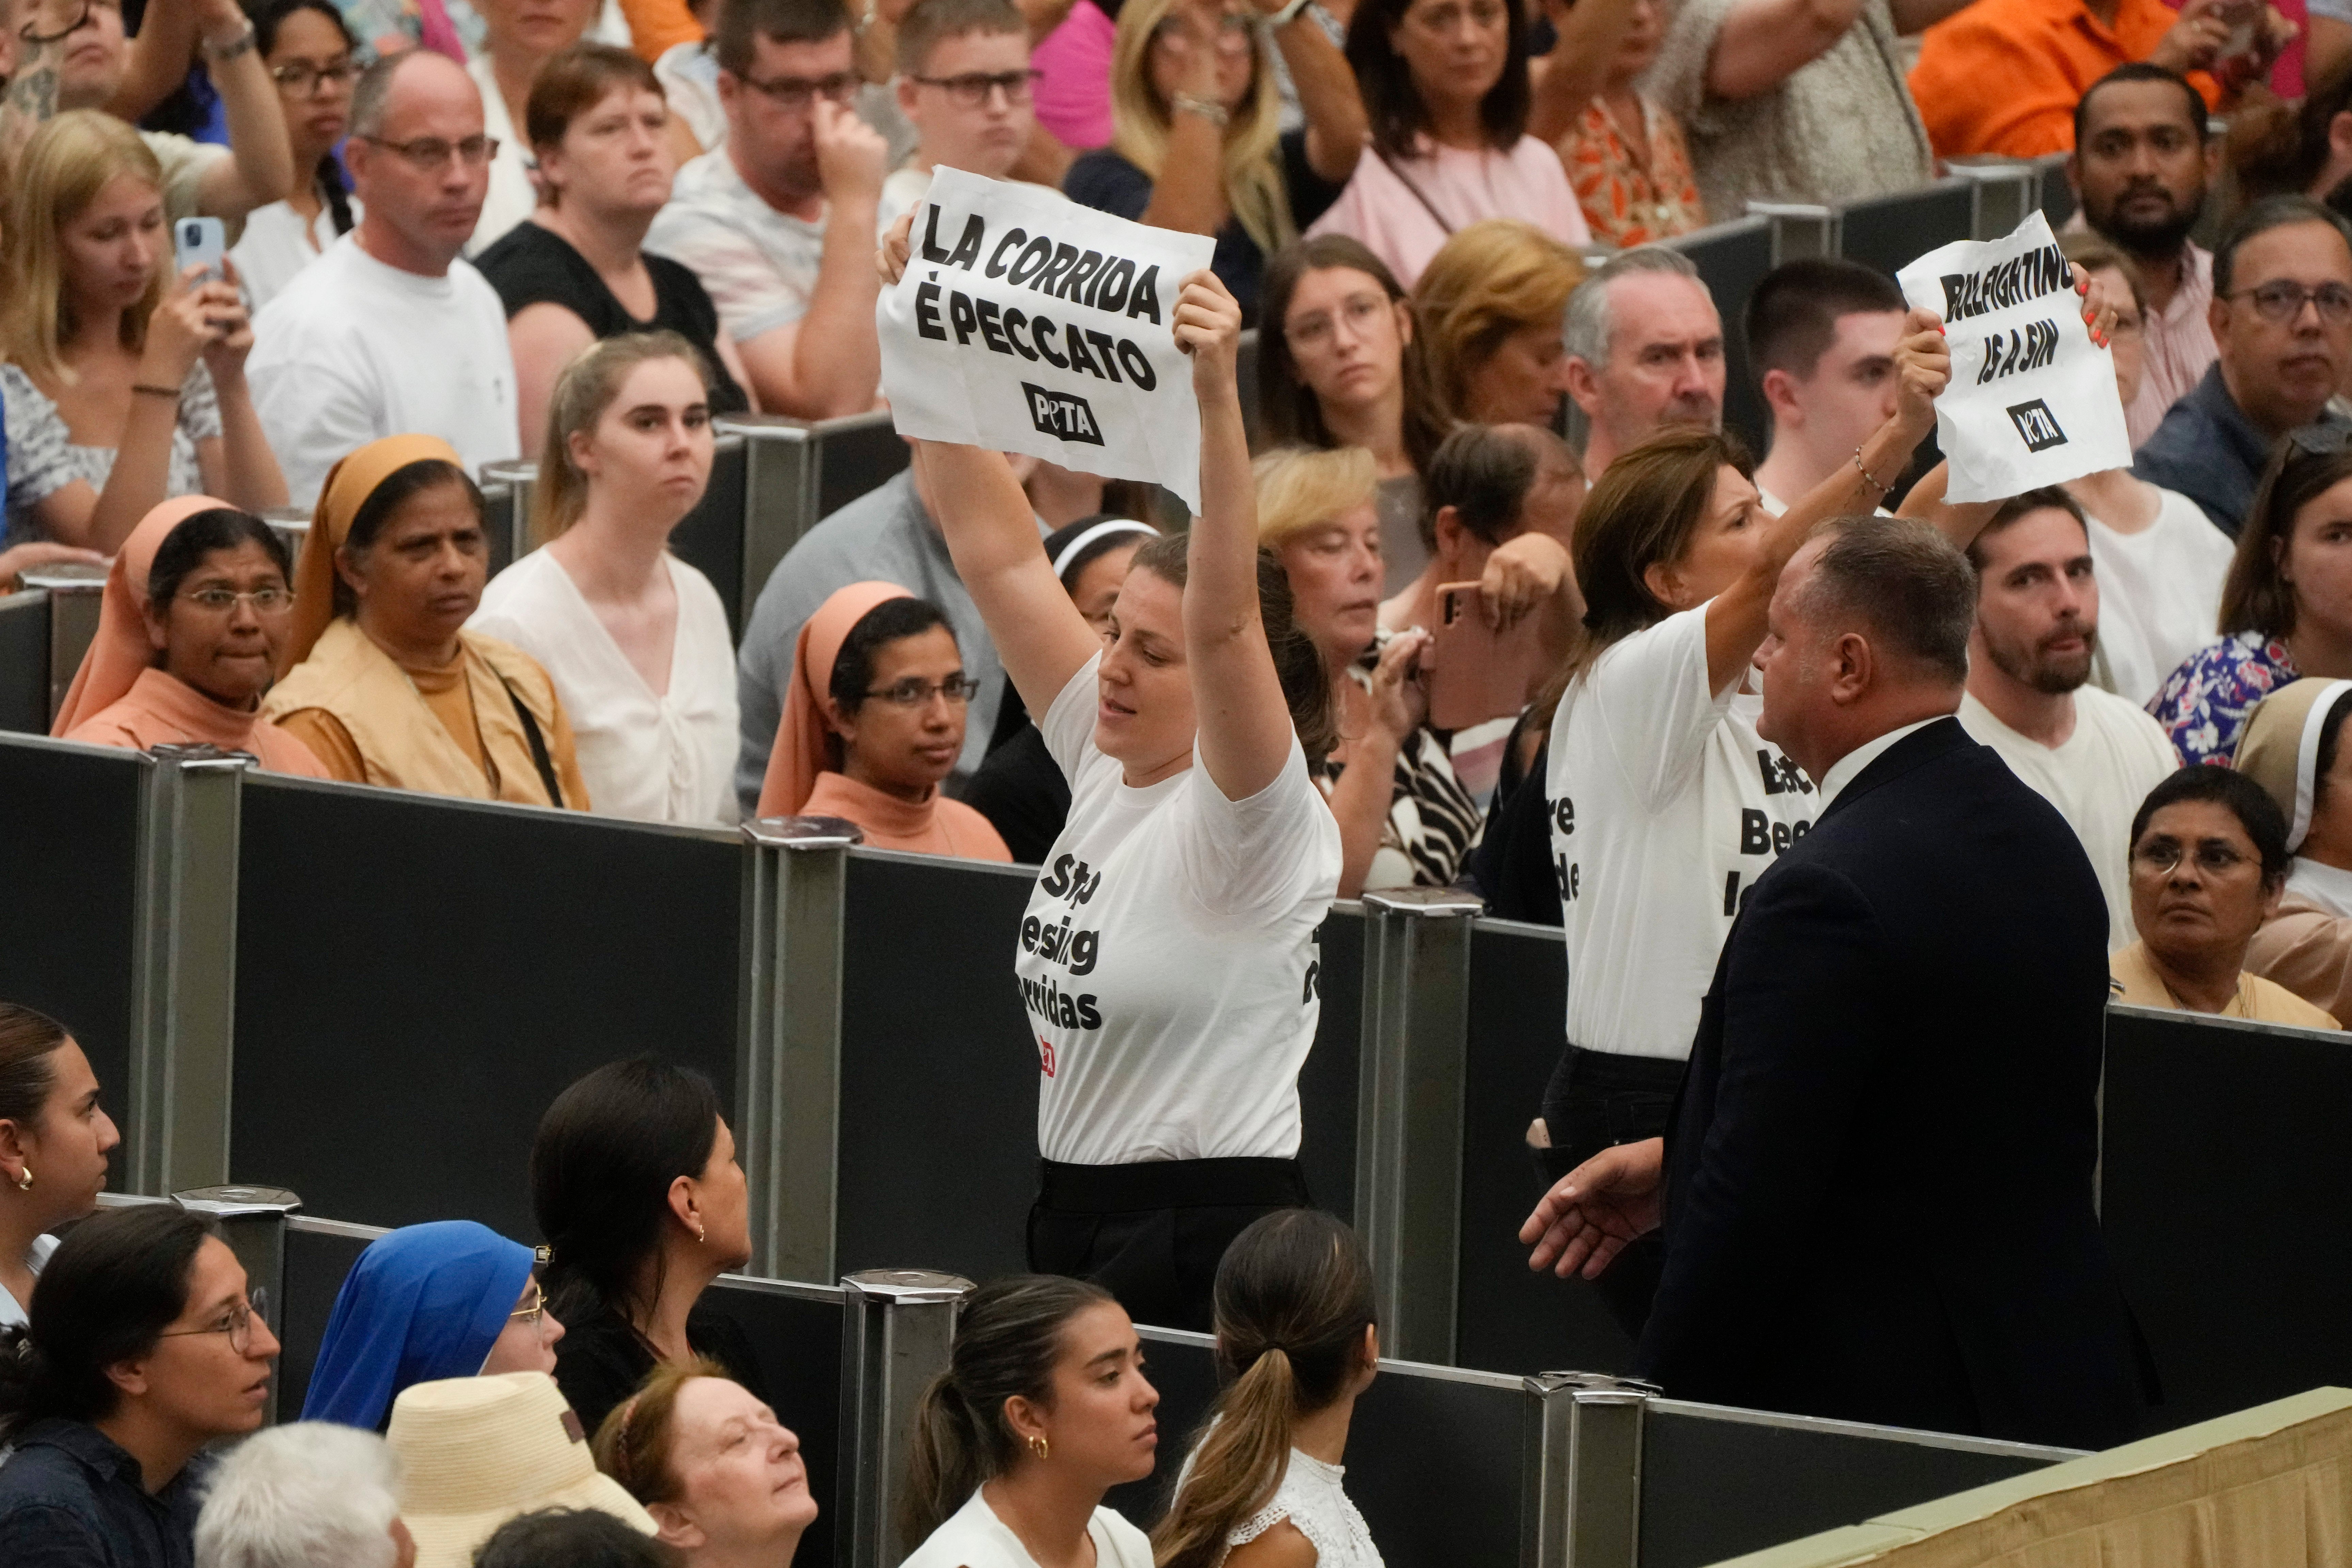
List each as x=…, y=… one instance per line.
x=2162, y=857
x=53, y=21
x=793, y=94
x=535, y=1313
x=971, y=90
x=223, y=601
x=914, y=692
x=431, y=154
x=2281, y=300
x=237, y=1321
x=302, y=78
x=1234, y=31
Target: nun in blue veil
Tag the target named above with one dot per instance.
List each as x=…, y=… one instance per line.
x=451, y=1299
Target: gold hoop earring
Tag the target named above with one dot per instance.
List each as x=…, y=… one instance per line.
x=1039, y=1446
x=24, y=1182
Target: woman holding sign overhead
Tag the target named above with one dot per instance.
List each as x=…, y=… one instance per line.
x=1168, y=956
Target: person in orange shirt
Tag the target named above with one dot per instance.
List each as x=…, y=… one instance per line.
x=2002, y=76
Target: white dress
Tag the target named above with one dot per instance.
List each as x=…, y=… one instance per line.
x=1311, y=1497
x=665, y=758
x=976, y=1537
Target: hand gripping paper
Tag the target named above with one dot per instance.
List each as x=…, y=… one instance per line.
x=2032, y=400
x=1030, y=324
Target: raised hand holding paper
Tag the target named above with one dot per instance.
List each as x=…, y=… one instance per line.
x=1028, y=323
x=2032, y=399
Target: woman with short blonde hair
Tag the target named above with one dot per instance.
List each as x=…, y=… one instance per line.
x=634, y=640
x=123, y=386
x=1491, y=306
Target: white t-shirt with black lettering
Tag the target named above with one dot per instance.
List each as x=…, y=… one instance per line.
x=1168, y=957
x=1665, y=807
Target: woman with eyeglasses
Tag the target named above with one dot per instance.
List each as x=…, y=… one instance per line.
x=53, y=1140
x=2286, y=604
x=578, y=270
x=2208, y=862
x=1445, y=84
x=450, y=1298
x=874, y=722
x=634, y=640
x=124, y=383
x=144, y=1347
x=190, y=628
x=519, y=36
x=1196, y=140
x=309, y=51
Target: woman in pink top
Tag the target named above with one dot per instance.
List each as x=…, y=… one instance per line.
x=190, y=627
x=1445, y=85
x=873, y=721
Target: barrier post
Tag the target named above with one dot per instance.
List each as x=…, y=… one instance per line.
x=184, y=971
x=1416, y=1023
x=1800, y=230
x=788, y=1063
x=897, y=1326
x=74, y=594
x=253, y=1223
x=2006, y=192
x=506, y=487
x=1581, y=1457
x=780, y=474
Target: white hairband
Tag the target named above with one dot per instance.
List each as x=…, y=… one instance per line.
x=1106, y=528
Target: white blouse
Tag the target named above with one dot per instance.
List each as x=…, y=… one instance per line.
x=1311, y=1497
x=648, y=757
x=976, y=1537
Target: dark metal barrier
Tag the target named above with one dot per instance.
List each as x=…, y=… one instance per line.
x=24, y=662
x=1890, y=233
x=1511, y=1318
x=1331, y=1085
x=1733, y=258
x=2226, y=1196
x=1718, y=1483
x=796, y=1330
x=418, y=978
x=320, y=1254
x=859, y=455
x=711, y=538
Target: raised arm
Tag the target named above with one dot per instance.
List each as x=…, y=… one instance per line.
x=259, y=168
x=1734, y=617
x=1337, y=124
x=1763, y=43
x=1245, y=734
x=1589, y=33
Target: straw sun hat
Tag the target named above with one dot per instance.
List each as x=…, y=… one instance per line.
x=477, y=1451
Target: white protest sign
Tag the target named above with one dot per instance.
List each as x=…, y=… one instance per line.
x=2032, y=400
x=1032, y=325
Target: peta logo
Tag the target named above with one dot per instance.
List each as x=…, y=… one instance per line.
x=2036, y=425
x=1063, y=415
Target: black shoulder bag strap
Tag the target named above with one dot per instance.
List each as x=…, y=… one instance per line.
x=539, y=757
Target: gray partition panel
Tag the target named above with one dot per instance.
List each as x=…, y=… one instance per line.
x=1733, y=258
x=796, y=1332
x=1433, y=1454
x=711, y=537
x=1510, y=1318
x=1328, y=1085
x=418, y=978
x=1891, y=232
x=69, y=929
x=318, y=1257
x=24, y=662
x=938, y=1069
x=1719, y=1483
x=859, y=455
x=2227, y=1202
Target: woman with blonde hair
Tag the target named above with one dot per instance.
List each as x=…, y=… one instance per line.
x=1196, y=143
x=1491, y=304
x=634, y=640
x=124, y=386
x=723, y=1479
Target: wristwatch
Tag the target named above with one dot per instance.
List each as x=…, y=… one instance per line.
x=233, y=47
x=1288, y=14
x=1207, y=108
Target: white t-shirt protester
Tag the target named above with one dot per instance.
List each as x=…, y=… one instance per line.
x=976, y=1537
x=1665, y=807
x=355, y=350
x=2097, y=780
x=2160, y=593
x=648, y=757
x=1168, y=956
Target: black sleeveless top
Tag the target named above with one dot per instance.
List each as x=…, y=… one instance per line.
x=530, y=265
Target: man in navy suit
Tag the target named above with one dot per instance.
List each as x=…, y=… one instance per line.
x=1876, y=1194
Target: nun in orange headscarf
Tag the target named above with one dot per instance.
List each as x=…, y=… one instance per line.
x=873, y=720
x=190, y=627
x=382, y=681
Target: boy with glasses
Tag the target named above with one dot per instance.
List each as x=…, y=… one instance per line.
x=965, y=83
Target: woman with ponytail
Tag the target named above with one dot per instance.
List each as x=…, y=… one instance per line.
x=1043, y=1409
x=1297, y=1343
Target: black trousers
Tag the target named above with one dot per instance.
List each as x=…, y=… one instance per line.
x=1152, y=1234
x=1597, y=1099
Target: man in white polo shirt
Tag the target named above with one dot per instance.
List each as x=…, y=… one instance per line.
x=2089, y=752
x=1820, y=343
x=389, y=332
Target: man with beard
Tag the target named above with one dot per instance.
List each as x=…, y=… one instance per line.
x=1644, y=349
x=2089, y=752
x=2143, y=154
x=2282, y=318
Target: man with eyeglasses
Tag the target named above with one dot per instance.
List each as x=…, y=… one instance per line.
x=779, y=221
x=2282, y=318
x=390, y=332
x=965, y=84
